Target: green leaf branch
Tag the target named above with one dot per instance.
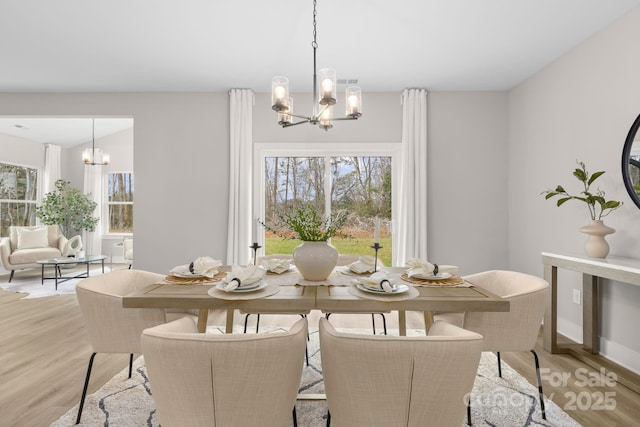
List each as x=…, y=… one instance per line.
x=305, y=223
x=598, y=206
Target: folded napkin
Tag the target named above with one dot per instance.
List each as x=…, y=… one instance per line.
x=364, y=264
x=240, y=276
x=277, y=266
x=203, y=266
x=418, y=267
x=379, y=280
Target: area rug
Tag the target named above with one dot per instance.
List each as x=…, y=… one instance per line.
x=31, y=283
x=507, y=401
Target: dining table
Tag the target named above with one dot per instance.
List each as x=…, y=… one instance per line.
x=289, y=293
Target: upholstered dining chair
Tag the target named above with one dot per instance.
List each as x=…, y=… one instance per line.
x=515, y=330
x=112, y=328
x=390, y=381
x=223, y=380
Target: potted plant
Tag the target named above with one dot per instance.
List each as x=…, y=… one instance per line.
x=598, y=206
x=315, y=258
x=67, y=207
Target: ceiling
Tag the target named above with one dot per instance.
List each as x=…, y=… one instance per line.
x=205, y=45
x=211, y=46
x=65, y=132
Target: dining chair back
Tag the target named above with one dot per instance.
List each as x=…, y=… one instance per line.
x=223, y=380
x=399, y=381
x=112, y=328
x=515, y=330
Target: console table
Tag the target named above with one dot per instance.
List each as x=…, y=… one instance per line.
x=621, y=269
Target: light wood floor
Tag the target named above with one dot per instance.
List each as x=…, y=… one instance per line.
x=44, y=351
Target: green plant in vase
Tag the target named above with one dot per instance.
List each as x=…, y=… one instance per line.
x=599, y=207
x=315, y=258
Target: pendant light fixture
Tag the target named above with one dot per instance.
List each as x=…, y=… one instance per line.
x=94, y=156
x=322, y=112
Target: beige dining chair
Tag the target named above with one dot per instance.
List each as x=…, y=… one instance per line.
x=515, y=330
x=223, y=380
x=388, y=381
x=112, y=328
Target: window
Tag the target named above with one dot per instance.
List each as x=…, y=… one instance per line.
x=359, y=181
x=120, y=202
x=18, y=196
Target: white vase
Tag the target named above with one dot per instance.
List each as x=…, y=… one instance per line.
x=597, y=246
x=315, y=260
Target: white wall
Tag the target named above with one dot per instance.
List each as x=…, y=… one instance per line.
x=181, y=168
x=579, y=107
x=21, y=151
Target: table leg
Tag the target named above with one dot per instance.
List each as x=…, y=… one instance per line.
x=590, y=317
x=103, y=266
x=550, y=328
x=42, y=274
x=402, y=323
x=56, y=269
x=428, y=321
x=203, y=317
x=87, y=269
x=229, y=326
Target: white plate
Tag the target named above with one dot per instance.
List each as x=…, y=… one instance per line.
x=346, y=270
x=261, y=284
x=397, y=289
x=186, y=275
x=439, y=276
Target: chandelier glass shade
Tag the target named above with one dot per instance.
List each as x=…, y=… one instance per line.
x=324, y=96
x=94, y=156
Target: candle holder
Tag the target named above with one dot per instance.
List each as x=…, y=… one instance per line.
x=376, y=246
x=255, y=248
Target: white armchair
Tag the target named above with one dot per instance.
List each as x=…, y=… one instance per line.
x=127, y=249
x=26, y=245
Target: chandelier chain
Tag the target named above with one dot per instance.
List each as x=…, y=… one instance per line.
x=314, y=44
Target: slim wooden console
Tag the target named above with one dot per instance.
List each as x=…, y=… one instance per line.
x=621, y=269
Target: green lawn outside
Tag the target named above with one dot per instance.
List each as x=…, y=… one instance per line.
x=358, y=246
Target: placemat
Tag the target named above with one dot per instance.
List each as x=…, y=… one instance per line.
x=175, y=280
x=410, y=294
x=451, y=281
x=262, y=293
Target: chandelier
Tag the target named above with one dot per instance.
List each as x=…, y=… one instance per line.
x=94, y=156
x=322, y=112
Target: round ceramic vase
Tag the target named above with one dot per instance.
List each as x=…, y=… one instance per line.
x=597, y=246
x=315, y=260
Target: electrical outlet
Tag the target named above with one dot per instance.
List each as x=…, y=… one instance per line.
x=576, y=296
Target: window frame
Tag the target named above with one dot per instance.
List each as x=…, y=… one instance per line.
x=296, y=149
x=38, y=188
x=106, y=204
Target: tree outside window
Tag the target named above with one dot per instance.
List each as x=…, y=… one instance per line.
x=360, y=185
x=120, y=202
x=18, y=196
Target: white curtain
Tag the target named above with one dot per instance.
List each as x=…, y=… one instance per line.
x=240, y=176
x=411, y=234
x=93, y=187
x=51, y=168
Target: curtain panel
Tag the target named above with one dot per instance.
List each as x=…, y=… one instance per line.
x=411, y=241
x=240, y=176
x=51, y=168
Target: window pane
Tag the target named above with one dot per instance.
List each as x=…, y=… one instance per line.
x=359, y=184
x=121, y=218
x=362, y=186
x=18, y=193
x=22, y=214
x=120, y=187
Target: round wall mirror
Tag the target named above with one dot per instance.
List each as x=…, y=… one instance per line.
x=631, y=162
